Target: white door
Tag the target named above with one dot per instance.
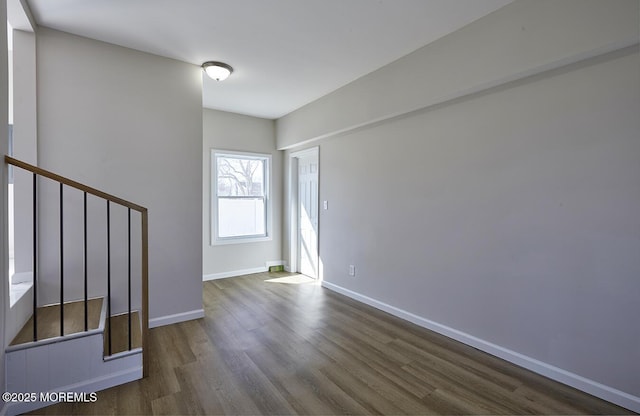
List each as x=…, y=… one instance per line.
x=308, y=215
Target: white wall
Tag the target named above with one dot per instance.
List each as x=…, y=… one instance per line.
x=229, y=131
x=511, y=217
x=130, y=124
x=508, y=216
x=25, y=144
x=4, y=100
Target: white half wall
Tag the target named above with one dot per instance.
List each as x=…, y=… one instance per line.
x=128, y=123
x=229, y=131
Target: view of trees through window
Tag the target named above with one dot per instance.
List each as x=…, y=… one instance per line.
x=240, y=177
x=241, y=194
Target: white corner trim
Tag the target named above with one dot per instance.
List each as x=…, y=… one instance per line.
x=176, y=318
x=275, y=263
x=592, y=387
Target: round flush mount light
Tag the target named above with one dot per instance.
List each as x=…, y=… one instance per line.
x=217, y=70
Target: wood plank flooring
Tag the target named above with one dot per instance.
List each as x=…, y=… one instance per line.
x=272, y=344
x=49, y=320
x=120, y=333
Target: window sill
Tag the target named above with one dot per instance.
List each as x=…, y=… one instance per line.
x=240, y=241
x=23, y=282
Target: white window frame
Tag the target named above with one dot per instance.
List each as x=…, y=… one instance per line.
x=215, y=239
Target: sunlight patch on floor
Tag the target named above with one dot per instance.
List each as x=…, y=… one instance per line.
x=296, y=279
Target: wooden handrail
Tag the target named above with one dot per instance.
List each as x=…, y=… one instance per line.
x=73, y=184
x=145, y=241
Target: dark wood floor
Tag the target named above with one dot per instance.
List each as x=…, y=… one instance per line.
x=120, y=333
x=272, y=347
x=48, y=320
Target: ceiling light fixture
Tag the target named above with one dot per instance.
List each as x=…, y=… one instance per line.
x=217, y=70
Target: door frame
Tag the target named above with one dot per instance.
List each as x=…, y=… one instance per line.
x=294, y=209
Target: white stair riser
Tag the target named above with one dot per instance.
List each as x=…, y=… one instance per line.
x=69, y=365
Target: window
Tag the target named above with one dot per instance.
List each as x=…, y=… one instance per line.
x=240, y=209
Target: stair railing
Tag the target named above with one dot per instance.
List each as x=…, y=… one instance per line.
x=87, y=190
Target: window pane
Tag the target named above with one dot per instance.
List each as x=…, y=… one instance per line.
x=241, y=217
x=239, y=176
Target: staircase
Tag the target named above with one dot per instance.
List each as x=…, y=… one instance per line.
x=84, y=344
x=77, y=361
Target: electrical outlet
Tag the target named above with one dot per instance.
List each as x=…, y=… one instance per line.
x=352, y=270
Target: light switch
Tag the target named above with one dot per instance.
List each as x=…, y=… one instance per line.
x=326, y=204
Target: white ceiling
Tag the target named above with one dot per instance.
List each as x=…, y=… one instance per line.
x=286, y=53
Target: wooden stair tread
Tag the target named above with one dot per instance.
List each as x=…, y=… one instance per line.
x=120, y=333
x=49, y=321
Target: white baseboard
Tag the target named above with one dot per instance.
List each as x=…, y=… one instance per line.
x=93, y=385
x=242, y=272
x=175, y=318
x=233, y=273
x=592, y=387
